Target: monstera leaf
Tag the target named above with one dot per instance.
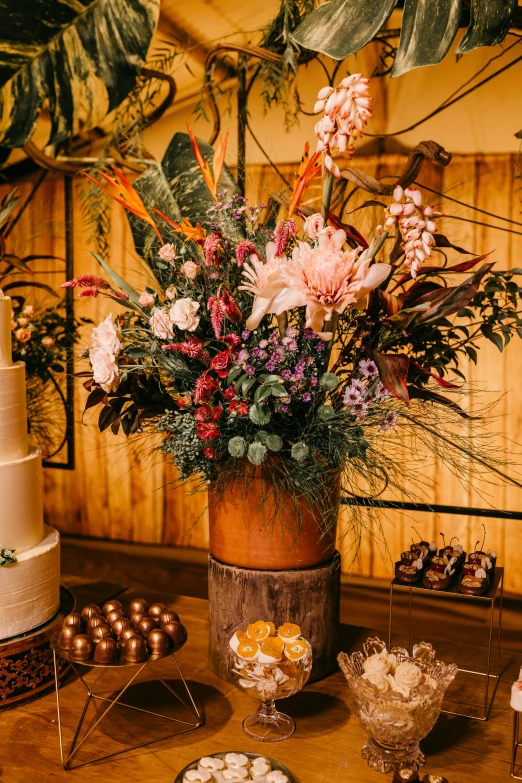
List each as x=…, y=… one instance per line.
x=178, y=190
x=341, y=27
x=78, y=57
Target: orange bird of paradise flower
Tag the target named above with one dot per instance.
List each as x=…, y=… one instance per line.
x=211, y=181
x=121, y=190
x=309, y=169
x=186, y=228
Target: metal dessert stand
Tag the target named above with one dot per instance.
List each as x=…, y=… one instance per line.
x=135, y=669
x=516, y=744
x=489, y=601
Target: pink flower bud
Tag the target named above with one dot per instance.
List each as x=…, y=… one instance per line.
x=398, y=193
x=395, y=209
x=324, y=93
x=319, y=106
x=408, y=208
x=431, y=226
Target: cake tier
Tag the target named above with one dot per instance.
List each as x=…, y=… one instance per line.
x=30, y=588
x=13, y=413
x=21, y=514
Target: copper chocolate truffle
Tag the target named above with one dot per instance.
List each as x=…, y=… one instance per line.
x=94, y=621
x=176, y=631
x=138, y=605
x=106, y=651
x=100, y=632
x=90, y=611
x=75, y=619
x=136, y=617
x=155, y=610
x=81, y=647
x=135, y=649
x=114, y=615
x=110, y=606
x=120, y=625
x=146, y=625
x=67, y=634
x=159, y=641
x=126, y=634
x=168, y=617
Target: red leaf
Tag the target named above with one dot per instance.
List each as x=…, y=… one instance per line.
x=393, y=372
x=445, y=384
x=390, y=304
x=351, y=231
x=451, y=300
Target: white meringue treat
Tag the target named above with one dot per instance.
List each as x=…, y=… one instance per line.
x=259, y=769
x=276, y=776
x=197, y=776
x=235, y=775
x=236, y=760
x=213, y=765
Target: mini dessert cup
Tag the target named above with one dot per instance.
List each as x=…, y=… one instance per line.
x=269, y=682
x=409, y=571
x=440, y=574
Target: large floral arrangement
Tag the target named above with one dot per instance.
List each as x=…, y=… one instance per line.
x=290, y=350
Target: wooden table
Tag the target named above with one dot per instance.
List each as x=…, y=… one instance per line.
x=325, y=748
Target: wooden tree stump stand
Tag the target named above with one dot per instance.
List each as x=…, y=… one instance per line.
x=308, y=596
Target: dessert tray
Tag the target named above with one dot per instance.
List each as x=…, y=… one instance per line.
x=276, y=766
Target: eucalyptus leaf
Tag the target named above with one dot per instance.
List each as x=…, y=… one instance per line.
x=341, y=27
x=427, y=32
x=490, y=20
x=80, y=58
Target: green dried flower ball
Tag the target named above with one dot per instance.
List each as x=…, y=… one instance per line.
x=274, y=442
x=257, y=453
x=300, y=451
x=326, y=412
x=237, y=446
x=328, y=381
x=261, y=436
x=259, y=416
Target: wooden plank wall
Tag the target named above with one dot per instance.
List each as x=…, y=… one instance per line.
x=120, y=491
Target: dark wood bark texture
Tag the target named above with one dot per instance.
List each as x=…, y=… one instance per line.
x=309, y=597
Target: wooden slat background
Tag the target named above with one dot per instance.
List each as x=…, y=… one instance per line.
x=120, y=491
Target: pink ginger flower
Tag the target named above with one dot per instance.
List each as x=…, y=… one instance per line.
x=416, y=224
x=244, y=249
x=87, y=281
x=257, y=276
x=193, y=348
x=324, y=279
x=283, y=231
x=211, y=247
x=347, y=109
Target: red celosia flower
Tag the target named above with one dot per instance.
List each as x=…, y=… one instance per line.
x=245, y=249
x=211, y=247
x=89, y=292
x=233, y=341
x=229, y=307
x=183, y=401
x=87, y=281
x=208, y=413
x=205, y=387
x=283, y=231
x=206, y=430
x=192, y=348
x=230, y=393
x=121, y=295
x=216, y=315
x=210, y=452
x=221, y=363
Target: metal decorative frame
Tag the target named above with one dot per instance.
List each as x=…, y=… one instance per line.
x=135, y=669
x=516, y=744
x=497, y=588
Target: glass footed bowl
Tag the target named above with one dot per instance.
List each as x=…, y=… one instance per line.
x=396, y=721
x=269, y=682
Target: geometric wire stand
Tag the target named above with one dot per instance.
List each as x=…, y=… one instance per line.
x=491, y=598
x=68, y=756
x=516, y=744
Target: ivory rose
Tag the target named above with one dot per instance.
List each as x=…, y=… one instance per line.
x=171, y=293
x=313, y=225
x=190, y=269
x=106, y=336
x=146, y=299
x=167, y=253
x=160, y=324
x=381, y=681
x=104, y=369
x=378, y=664
x=326, y=279
x=47, y=341
x=23, y=334
x=407, y=675
x=183, y=314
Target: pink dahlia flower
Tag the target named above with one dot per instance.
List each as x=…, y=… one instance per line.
x=325, y=279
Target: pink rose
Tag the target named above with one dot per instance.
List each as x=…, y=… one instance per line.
x=191, y=269
x=104, y=369
x=146, y=299
x=23, y=335
x=313, y=225
x=171, y=292
x=23, y=321
x=47, y=342
x=28, y=310
x=167, y=253
x=105, y=336
x=160, y=324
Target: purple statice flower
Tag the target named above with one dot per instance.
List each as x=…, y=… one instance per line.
x=270, y=366
x=278, y=354
x=290, y=344
x=380, y=392
x=351, y=396
x=286, y=374
x=242, y=356
x=313, y=381
x=263, y=343
x=274, y=338
x=292, y=332
x=368, y=369
x=214, y=225
x=309, y=335
x=212, y=273
x=359, y=410
x=294, y=389
x=320, y=347
x=355, y=383
x=307, y=397
x=250, y=370
x=389, y=422
x=282, y=408
x=298, y=375
x=256, y=351
x=245, y=335
x=263, y=355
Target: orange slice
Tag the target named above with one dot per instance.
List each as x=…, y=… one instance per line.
x=272, y=629
x=237, y=638
x=289, y=632
x=248, y=650
x=258, y=631
x=271, y=650
x=296, y=650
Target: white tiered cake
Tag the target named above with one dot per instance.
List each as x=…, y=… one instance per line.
x=29, y=587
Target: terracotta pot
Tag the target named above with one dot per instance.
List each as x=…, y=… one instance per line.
x=251, y=527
